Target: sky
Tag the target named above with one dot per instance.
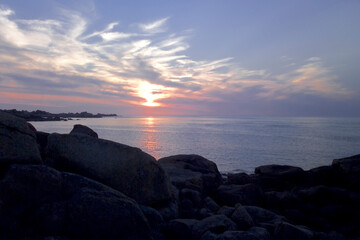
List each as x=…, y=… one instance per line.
x=196, y=58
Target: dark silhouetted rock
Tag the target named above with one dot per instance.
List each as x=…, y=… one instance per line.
x=295, y=215
x=226, y=210
x=248, y=194
x=240, y=178
x=348, y=165
x=323, y=195
x=122, y=167
x=260, y=233
x=32, y=128
x=96, y=214
x=170, y=210
x=324, y=175
x=210, y=204
x=216, y=224
x=236, y=235
x=81, y=129
x=261, y=215
x=38, y=201
x=41, y=139
x=252, y=234
x=24, y=191
x=203, y=213
x=179, y=229
x=192, y=171
x=30, y=183
x=153, y=216
x=278, y=170
x=330, y=236
x=209, y=236
x=281, y=200
x=242, y=218
x=350, y=169
x=18, y=141
x=280, y=176
x=286, y=231
x=192, y=195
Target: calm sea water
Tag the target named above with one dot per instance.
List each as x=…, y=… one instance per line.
x=233, y=144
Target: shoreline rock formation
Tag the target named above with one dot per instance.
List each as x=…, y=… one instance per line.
x=77, y=186
x=40, y=115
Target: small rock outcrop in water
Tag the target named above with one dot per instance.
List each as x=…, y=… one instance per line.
x=81, y=129
x=76, y=186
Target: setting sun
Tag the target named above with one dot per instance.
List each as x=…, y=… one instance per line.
x=151, y=93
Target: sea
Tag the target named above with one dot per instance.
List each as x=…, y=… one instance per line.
x=234, y=144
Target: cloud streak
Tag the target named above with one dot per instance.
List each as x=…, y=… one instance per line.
x=147, y=67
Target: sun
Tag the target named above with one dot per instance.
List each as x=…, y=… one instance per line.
x=150, y=93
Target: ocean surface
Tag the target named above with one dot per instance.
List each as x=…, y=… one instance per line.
x=234, y=144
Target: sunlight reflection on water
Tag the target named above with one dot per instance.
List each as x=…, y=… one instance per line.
x=233, y=144
x=149, y=139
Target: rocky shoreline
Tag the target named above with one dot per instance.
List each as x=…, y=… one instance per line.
x=77, y=186
x=41, y=116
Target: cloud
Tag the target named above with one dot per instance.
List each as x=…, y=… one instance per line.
x=154, y=27
x=312, y=78
x=61, y=57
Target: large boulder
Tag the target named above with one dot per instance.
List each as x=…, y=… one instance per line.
x=124, y=168
x=93, y=214
x=280, y=176
x=18, y=141
x=30, y=183
x=192, y=171
x=37, y=201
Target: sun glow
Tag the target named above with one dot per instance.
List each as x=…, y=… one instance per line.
x=151, y=93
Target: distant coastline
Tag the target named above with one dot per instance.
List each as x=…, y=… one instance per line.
x=40, y=115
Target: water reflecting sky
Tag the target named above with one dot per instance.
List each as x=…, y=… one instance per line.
x=233, y=144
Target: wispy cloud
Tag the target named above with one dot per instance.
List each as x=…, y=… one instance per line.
x=146, y=67
x=154, y=27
